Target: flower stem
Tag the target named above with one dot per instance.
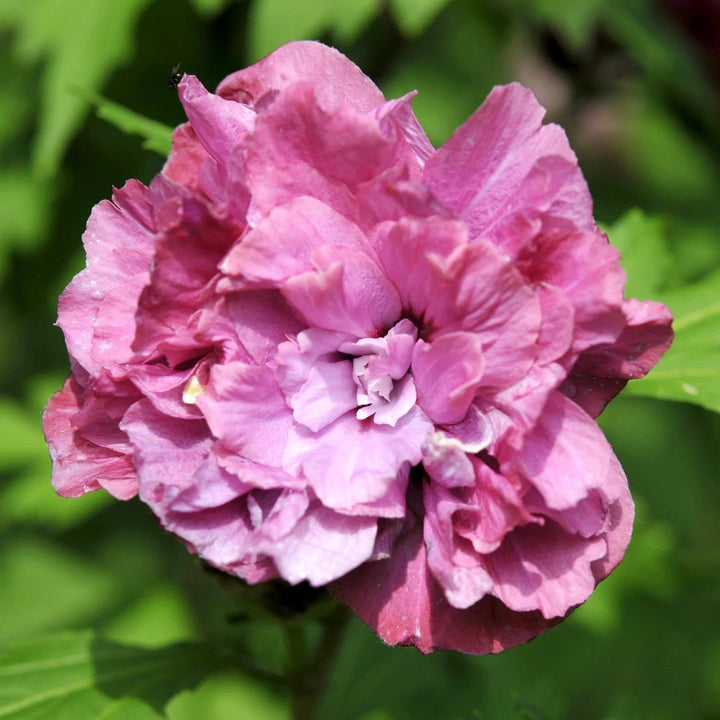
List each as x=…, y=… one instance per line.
x=307, y=675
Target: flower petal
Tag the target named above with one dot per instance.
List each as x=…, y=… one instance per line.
x=324, y=545
x=544, y=568
x=245, y=409
x=348, y=293
x=282, y=243
x=338, y=79
x=79, y=465
x=566, y=455
x=479, y=179
x=407, y=605
x=447, y=374
x=352, y=463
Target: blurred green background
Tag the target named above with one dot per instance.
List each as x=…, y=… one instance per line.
x=636, y=84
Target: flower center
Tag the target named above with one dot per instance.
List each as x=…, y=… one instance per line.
x=323, y=376
x=385, y=390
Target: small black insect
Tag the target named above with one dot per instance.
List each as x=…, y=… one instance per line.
x=175, y=76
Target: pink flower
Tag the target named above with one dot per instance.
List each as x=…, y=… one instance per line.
x=323, y=351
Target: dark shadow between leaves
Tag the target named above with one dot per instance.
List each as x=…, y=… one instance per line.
x=153, y=676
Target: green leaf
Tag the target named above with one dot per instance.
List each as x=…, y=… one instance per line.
x=413, y=16
x=21, y=439
x=208, y=8
x=690, y=370
x=275, y=22
x=575, y=21
x=231, y=695
x=77, y=676
x=158, y=137
x=672, y=165
x=81, y=41
x=33, y=569
x=24, y=211
x=645, y=255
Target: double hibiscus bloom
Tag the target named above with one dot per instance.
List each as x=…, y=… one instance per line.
x=321, y=350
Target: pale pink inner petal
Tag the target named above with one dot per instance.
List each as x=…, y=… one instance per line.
x=384, y=391
x=565, y=454
x=544, y=568
x=352, y=462
x=348, y=293
x=246, y=410
x=448, y=372
x=328, y=393
x=324, y=545
x=282, y=244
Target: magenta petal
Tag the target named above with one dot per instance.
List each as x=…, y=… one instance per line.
x=408, y=607
x=282, y=244
x=398, y=114
x=557, y=326
x=352, y=463
x=641, y=344
x=447, y=373
x=324, y=546
x=124, y=231
x=475, y=289
x=566, y=455
x=495, y=507
x=405, y=250
x=114, y=328
x=452, y=561
x=302, y=146
x=79, y=465
x=220, y=125
x=619, y=522
x=245, y=409
x=348, y=293
x=339, y=80
x=478, y=179
x=262, y=321
x=168, y=453
x=544, y=568
x=212, y=487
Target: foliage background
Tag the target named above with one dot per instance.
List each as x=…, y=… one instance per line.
x=92, y=593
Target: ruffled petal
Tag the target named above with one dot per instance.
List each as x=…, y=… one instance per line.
x=339, y=81
x=351, y=463
x=479, y=180
x=80, y=465
x=447, y=373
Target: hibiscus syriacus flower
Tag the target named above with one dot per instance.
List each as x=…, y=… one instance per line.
x=323, y=351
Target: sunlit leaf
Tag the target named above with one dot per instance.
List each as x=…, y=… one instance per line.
x=690, y=370
x=24, y=211
x=230, y=695
x=209, y=7
x=157, y=136
x=46, y=587
x=644, y=253
x=158, y=617
x=77, y=676
x=275, y=22
x=413, y=16
x=20, y=436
